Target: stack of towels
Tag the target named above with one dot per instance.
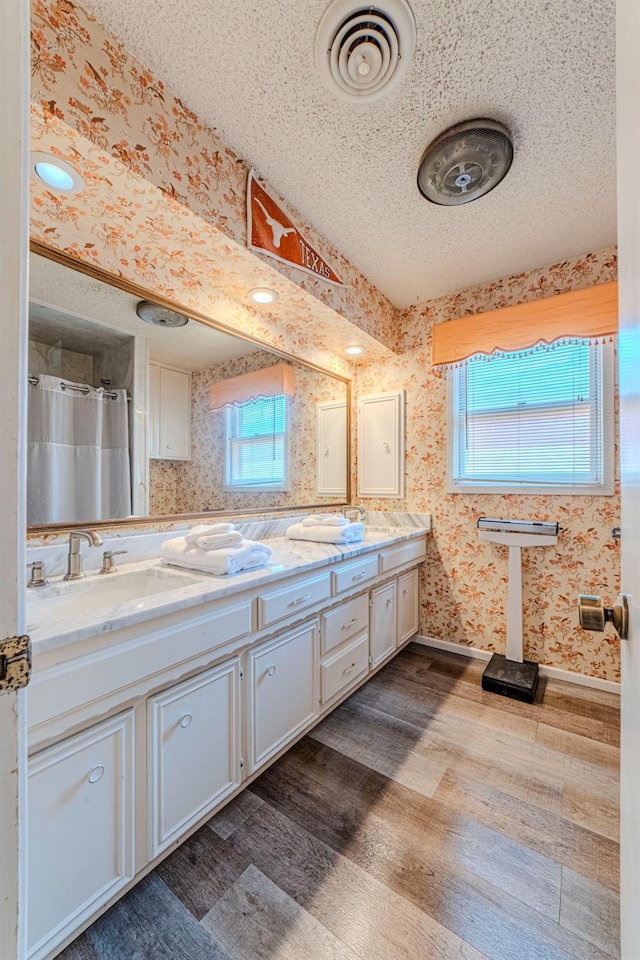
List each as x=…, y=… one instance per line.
x=326, y=528
x=215, y=548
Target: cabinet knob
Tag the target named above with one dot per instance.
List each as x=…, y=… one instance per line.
x=96, y=774
x=271, y=670
x=386, y=447
x=390, y=602
x=186, y=720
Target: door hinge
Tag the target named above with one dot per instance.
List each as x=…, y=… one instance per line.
x=242, y=674
x=15, y=662
x=241, y=762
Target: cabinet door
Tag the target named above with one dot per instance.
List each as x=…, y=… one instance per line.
x=175, y=414
x=408, y=606
x=284, y=699
x=381, y=445
x=80, y=828
x=383, y=623
x=331, y=449
x=194, y=732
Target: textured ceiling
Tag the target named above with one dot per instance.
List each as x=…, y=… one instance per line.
x=543, y=67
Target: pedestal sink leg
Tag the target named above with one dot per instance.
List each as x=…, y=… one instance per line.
x=514, y=606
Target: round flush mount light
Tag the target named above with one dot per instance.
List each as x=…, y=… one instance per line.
x=354, y=350
x=56, y=173
x=263, y=295
x=465, y=162
x=159, y=316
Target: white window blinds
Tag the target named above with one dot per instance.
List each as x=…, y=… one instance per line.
x=256, y=443
x=531, y=419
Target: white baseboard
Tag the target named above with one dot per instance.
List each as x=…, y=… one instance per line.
x=596, y=683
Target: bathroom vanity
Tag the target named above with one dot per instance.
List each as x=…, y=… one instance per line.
x=158, y=694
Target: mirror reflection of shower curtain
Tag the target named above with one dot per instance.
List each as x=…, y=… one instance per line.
x=78, y=466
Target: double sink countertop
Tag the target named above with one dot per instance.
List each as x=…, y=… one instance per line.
x=67, y=612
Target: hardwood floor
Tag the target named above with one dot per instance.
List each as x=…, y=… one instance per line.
x=424, y=820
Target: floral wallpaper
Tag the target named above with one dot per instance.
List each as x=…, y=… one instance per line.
x=464, y=582
x=90, y=96
x=198, y=484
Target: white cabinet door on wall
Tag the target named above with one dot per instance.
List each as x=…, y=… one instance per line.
x=169, y=412
x=331, y=449
x=284, y=691
x=381, y=445
x=80, y=829
x=194, y=733
x=383, y=635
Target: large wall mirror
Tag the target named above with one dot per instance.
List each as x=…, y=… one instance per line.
x=137, y=412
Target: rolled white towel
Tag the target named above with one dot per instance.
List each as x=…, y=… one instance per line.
x=217, y=541
x=247, y=555
x=352, y=533
x=207, y=529
x=325, y=520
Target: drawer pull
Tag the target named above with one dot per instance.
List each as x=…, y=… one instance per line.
x=186, y=720
x=348, y=669
x=359, y=576
x=349, y=623
x=271, y=670
x=390, y=602
x=405, y=592
x=294, y=603
x=96, y=774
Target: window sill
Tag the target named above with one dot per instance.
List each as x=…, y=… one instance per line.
x=600, y=490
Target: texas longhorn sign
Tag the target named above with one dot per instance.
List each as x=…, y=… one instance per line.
x=271, y=231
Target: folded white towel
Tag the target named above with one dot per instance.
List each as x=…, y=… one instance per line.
x=327, y=534
x=207, y=529
x=248, y=555
x=217, y=541
x=325, y=520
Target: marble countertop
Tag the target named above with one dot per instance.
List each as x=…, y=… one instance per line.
x=50, y=630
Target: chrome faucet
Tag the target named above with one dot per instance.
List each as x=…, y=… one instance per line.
x=74, y=559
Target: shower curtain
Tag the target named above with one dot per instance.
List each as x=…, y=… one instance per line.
x=78, y=466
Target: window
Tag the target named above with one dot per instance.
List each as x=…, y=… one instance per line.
x=256, y=444
x=539, y=420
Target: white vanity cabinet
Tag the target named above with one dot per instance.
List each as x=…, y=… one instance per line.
x=169, y=413
x=80, y=828
x=194, y=750
x=283, y=691
x=196, y=689
x=384, y=627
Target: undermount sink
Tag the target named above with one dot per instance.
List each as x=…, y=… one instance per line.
x=76, y=597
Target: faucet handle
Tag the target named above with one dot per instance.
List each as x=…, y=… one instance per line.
x=108, y=565
x=37, y=578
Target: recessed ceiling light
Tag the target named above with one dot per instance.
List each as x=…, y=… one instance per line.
x=354, y=350
x=263, y=295
x=159, y=316
x=56, y=173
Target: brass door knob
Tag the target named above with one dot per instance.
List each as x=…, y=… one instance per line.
x=594, y=615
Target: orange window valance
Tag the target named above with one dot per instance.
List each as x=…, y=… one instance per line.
x=583, y=314
x=259, y=384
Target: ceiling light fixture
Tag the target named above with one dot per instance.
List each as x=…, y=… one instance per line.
x=354, y=350
x=56, y=173
x=263, y=295
x=159, y=316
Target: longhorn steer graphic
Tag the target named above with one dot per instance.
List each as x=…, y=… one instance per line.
x=277, y=229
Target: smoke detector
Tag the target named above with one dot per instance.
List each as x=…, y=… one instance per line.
x=363, y=51
x=465, y=162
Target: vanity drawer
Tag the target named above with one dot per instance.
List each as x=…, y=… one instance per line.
x=404, y=553
x=345, y=669
x=343, y=623
x=346, y=578
x=283, y=603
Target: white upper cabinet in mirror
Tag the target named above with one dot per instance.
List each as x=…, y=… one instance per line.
x=130, y=419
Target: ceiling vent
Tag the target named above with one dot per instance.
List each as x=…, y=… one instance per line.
x=362, y=51
x=465, y=162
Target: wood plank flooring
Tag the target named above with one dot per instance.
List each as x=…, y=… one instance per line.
x=423, y=820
